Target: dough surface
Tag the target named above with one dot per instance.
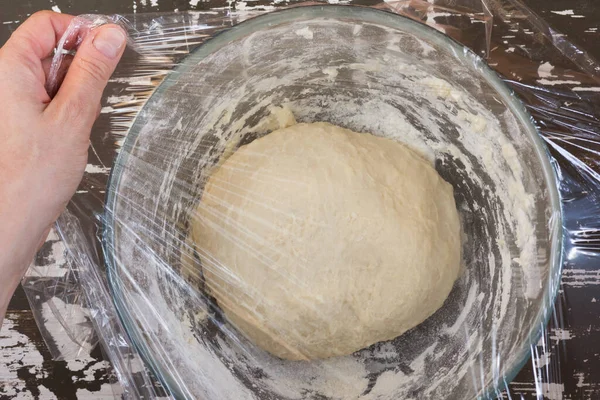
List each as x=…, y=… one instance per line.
x=317, y=241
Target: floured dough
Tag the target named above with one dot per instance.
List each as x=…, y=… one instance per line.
x=317, y=241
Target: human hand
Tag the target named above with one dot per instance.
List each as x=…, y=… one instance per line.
x=44, y=141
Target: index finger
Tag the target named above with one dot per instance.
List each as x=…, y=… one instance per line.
x=40, y=33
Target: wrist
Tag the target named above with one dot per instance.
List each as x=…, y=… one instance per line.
x=17, y=249
x=21, y=232
x=16, y=255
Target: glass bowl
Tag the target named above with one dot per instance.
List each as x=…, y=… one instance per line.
x=370, y=71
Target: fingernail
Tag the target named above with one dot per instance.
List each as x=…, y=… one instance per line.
x=109, y=41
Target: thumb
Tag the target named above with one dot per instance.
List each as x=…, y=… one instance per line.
x=78, y=99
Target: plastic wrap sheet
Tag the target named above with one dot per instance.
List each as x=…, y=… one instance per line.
x=518, y=147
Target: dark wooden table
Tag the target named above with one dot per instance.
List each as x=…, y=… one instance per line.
x=27, y=369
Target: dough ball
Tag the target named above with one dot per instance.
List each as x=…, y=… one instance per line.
x=317, y=241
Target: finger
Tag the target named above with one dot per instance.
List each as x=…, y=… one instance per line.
x=78, y=98
x=38, y=35
x=62, y=69
x=33, y=41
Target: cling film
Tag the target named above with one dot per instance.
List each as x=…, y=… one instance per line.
x=510, y=127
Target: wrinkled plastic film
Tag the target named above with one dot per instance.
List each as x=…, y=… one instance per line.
x=153, y=302
x=112, y=336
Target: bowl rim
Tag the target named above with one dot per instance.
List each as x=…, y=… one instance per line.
x=370, y=15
